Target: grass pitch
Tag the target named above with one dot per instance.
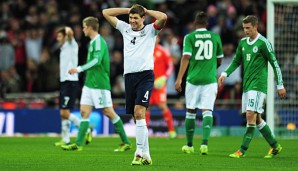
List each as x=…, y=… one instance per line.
x=38, y=153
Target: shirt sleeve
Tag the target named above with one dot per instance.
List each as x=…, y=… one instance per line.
x=187, y=48
x=121, y=26
x=237, y=60
x=268, y=52
x=219, y=53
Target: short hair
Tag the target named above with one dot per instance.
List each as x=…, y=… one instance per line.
x=251, y=19
x=62, y=31
x=201, y=18
x=137, y=9
x=92, y=22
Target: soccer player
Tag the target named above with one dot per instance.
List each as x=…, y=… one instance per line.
x=97, y=89
x=69, y=83
x=139, y=42
x=163, y=68
x=202, y=51
x=254, y=52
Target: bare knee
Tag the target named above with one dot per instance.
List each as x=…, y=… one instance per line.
x=251, y=117
x=139, y=112
x=64, y=113
x=109, y=112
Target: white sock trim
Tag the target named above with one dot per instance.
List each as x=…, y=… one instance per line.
x=261, y=125
x=141, y=122
x=207, y=113
x=115, y=120
x=190, y=115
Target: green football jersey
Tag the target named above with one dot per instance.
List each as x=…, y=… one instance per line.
x=254, y=56
x=98, y=65
x=204, y=47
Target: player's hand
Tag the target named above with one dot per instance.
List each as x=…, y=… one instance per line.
x=72, y=71
x=160, y=82
x=178, y=85
x=282, y=93
x=220, y=81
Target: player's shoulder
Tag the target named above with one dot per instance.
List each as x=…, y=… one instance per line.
x=263, y=39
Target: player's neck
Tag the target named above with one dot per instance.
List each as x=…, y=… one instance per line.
x=253, y=37
x=93, y=35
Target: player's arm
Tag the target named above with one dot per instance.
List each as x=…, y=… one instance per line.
x=268, y=52
x=69, y=33
x=187, y=52
x=95, y=61
x=111, y=14
x=237, y=60
x=219, y=53
x=160, y=17
x=183, y=66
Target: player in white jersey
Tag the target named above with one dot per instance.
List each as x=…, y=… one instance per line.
x=69, y=84
x=139, y=42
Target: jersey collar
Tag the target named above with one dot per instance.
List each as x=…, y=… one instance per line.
x=94, y=39
x=201, y=29
x=253, y=41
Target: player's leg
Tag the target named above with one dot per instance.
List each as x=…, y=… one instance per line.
x=252, y=102
x=142, y=140
x=168, y=118
x=143, y=94
x=118, y=125
x=147, y=117
x=161, y=100
x=64, y=106
x=65, y=128
x=269, y=137
x=73, y=92
x=207, y=100
x=192, y=93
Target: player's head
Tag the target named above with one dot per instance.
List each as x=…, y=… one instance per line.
x=90, y=26
x=250, y=26
x=61, y=35
x=201, y=19
x=136, y=17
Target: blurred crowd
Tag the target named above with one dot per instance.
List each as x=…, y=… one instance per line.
x=29, y=52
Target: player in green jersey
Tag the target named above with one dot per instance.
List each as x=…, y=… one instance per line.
x=202, y=52
x=254, y=52
x=97, y=89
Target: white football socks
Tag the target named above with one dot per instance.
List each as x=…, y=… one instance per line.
x=74, y=119
x=65, y=124
x=141, y=134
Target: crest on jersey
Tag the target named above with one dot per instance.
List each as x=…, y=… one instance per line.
x=243, y=49
x=255, y=49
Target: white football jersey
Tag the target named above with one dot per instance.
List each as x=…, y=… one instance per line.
x=69, y=59
x=138, y=47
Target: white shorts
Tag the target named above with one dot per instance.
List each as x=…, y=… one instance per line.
x=201, y=96
x=253, y=100
x=96, y=97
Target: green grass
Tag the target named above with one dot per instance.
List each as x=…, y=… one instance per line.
x=40, y=154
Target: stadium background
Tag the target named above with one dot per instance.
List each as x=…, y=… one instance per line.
x=30, y=58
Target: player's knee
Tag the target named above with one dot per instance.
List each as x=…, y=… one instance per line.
x=84, y=113
x=109, y=112
x=251, y=117
x=64, y=113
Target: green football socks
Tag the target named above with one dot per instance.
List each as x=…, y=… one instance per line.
x=267, y=134
x=250, y=128
x=207, y=125
x=118, y=124
x=84, y=125
x=190, y=124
